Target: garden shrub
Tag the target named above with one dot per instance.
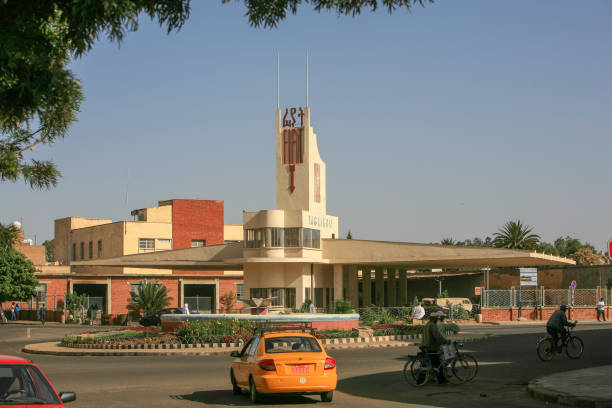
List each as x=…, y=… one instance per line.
x=340, y=306
x=386, y=317
x=369, y=317
x=336, y=334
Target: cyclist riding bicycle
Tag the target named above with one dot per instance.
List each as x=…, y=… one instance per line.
x=432, y=341
x=556, y=326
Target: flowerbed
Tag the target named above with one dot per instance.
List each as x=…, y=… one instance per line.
x=399, y=329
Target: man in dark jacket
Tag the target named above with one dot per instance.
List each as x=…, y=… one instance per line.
x=556, y=326
x=432, y=341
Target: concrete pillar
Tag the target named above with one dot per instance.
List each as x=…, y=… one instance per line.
x=366, y=285
x=345, y=282
x=338, y=281
x=391, y=287
x=353, y=286
x=181, y=293
x=402, y=298
x=379, y=287
x=109, y=296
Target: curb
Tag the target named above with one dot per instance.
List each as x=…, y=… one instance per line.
x=207, y=351
x=546, y=394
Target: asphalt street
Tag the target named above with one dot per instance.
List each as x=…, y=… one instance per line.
x=368, y=377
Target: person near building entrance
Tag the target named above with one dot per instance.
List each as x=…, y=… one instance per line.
x=12, y=309
x=186, y=308
x=418, y=312
x=311, y=307
x=556, y=326
x=42, y=313
x=601, y=310
x=17, y=310
x=433, y=340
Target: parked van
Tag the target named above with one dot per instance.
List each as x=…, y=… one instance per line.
x=444, y=302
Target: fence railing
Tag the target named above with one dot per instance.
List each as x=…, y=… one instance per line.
x=199, y=304
x=543, y=297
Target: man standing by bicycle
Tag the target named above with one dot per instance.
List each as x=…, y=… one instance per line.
x=433, y=341
x=556, y=326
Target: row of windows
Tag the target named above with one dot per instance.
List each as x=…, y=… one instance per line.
x=280, y=296
x=89, y=250
x=282, y=237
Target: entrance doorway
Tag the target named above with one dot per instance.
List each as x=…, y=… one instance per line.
x=201, y=297
x=96, y=294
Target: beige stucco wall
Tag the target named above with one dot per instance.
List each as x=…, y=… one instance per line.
x=159, y=214
x=63, y=227
x=233, y=232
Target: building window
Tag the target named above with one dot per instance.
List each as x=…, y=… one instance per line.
x=292, y=237
x=90, y=248
x=277, y=237
x=197, y=243
x=311, y=238
x=239, y=290
x=146, y=243
x=99, y=248
x=254, y=238
x=74, y=252
x=82, y=251
x=41, y=293
x=284, y=297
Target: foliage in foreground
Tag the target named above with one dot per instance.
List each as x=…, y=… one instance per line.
x=150, y=298
x=17, y=280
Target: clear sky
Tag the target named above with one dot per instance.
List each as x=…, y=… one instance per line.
x=446, y=121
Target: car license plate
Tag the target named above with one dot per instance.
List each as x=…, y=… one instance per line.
x=300, y=369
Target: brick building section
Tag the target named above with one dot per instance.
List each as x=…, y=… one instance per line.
x=195, y=220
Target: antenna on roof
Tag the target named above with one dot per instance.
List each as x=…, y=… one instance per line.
x=277, y=80
x=306, y=78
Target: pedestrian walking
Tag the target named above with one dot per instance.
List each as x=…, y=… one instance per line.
x=17, y=310
x=12, y=309
x=601, y=310
x=42, y=313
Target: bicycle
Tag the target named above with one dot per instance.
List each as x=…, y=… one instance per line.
x=458, y=369
x=574, y=346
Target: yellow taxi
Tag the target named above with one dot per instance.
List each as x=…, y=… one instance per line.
x=283, y=361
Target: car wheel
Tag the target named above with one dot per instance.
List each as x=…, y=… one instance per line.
x=235, y=388
x=327, y=396
x=253, y=393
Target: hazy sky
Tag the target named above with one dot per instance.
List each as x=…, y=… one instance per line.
x=446, y=121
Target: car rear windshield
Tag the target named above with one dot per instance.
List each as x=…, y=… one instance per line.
x=23, y=384
x=292, y=344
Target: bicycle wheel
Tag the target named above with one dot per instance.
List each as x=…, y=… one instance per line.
x=417, y=371
x=574, y=347
x=545, y=349
x=463, y=368
x=469, y=365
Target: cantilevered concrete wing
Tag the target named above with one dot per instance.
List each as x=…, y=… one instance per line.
x=212, y=257
x=338, y=251
x=351, y=251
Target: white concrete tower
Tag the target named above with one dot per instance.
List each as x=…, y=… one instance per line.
x=300, y=171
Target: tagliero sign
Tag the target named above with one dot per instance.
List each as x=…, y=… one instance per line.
x=529, y=276
x=317, y=221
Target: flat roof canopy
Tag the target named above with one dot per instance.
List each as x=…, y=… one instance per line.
x=338, y=251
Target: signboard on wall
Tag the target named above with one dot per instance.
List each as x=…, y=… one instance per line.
x=529, y=276
x=477, y=290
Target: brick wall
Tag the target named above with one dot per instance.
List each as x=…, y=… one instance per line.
x=196, y=219
x=539, y=313
x=120, y=292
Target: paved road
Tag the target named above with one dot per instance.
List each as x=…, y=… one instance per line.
x=367, y=378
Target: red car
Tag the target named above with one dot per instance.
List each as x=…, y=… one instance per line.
x=22, y=384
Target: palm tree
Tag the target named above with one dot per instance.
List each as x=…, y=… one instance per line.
x=9, y=235
x=448, y=241
x=515, y=235
x=151, y=297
